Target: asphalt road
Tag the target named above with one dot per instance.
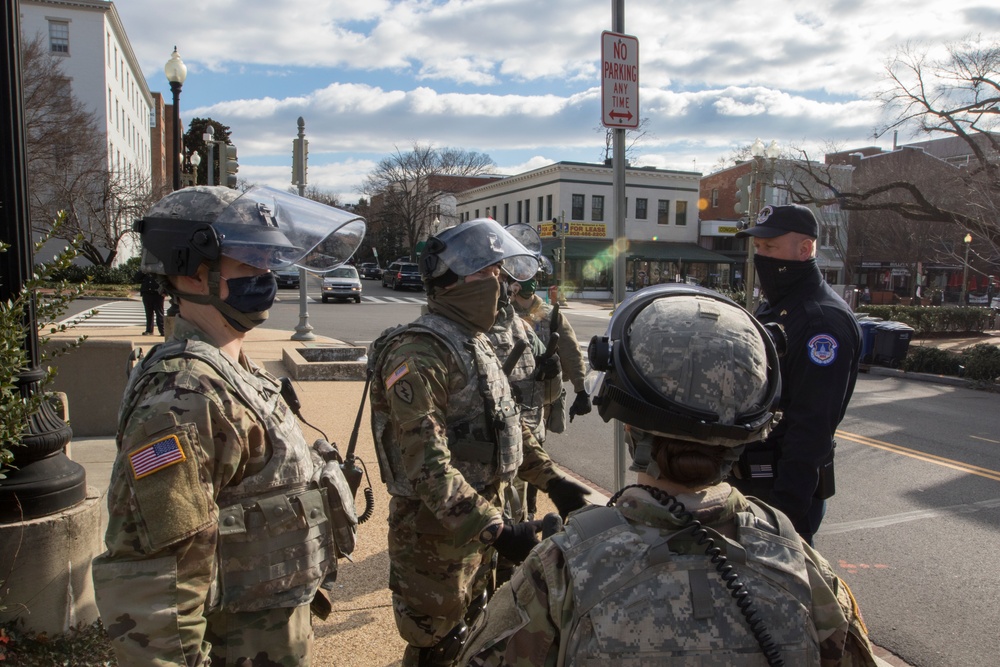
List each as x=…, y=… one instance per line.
x=917, y=510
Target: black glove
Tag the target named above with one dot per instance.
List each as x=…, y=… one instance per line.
x=548, y=367
x=516, y=540
x=581, y=405
x=567, y=495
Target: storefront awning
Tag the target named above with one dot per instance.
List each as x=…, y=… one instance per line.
x=637, y=250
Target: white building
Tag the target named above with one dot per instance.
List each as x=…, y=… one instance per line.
x=104, y=74
x=661, y=222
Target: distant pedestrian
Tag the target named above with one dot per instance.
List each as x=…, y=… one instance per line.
x=152, y=303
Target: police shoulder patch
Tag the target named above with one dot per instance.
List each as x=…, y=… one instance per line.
x=156, y=456
x=822, y=349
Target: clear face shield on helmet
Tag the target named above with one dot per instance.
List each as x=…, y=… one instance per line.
x=319, y=237
x=263, y=227
x=472, y=246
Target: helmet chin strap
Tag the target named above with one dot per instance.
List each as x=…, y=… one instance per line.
x=246, y=320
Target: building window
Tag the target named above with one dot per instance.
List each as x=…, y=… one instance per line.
x=597, y=208
x=640, y=209
x=541, y=209
x=527, y=210
x=477, y=213
x=715, y=197
x=577, y=207
x=663, y=212
x=59, y=36
x=520, y=215
x=828, y=236
x=681, y=213
x=548, y=208
x=506, y=214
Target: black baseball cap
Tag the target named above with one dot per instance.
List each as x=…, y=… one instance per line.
x=777, y=220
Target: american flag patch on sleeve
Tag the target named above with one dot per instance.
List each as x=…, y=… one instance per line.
x=156, y=456
x=396, y=375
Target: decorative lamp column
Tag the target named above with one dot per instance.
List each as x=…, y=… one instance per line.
x=176, y=72
x=965, y=269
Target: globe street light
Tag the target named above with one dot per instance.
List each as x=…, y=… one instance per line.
x=965, y=268
x=176, y=72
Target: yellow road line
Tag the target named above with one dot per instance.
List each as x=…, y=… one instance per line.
x=921, y=456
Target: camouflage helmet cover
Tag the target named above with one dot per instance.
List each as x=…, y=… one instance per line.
x=687, y=363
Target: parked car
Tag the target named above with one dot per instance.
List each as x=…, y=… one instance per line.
x=287, y=277
x=342, y=284
x=370, y=270
x=402, y=275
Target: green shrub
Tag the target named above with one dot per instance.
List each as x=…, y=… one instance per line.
x=982, y=362
x=920, y=359
x=935, y=319
x=123, y=274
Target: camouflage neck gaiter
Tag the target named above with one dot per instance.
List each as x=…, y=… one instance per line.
x=473, y=304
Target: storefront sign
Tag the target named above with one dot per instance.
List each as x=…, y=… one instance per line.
x=598, y=230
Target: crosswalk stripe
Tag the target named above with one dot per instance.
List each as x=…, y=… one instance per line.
x=111, y=314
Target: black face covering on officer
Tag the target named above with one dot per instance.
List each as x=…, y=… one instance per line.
x=780, y=277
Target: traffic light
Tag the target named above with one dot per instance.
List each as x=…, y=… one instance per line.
x=229, y=166
x=742, y=205
x=555, y=227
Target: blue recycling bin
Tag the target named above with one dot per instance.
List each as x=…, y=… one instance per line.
x=868, y=325
x=892, y=341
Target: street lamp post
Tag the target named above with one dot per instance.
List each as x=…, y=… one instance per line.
x=759, y=176
x=965, y=269
x=209, y=137
x=176, y=72
x=195, y=162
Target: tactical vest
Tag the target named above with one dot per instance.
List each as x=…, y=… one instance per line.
x=638, y=601
x=482, y=418
x=505, y=333
x=275, y=539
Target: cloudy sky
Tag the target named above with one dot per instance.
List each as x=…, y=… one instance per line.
x=519, y=80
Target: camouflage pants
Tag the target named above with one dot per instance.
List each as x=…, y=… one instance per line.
x=432, y=579
x=267, y=638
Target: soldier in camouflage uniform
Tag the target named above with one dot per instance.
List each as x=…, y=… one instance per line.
x=450, y=438
x=213, y=481
x=538, y=315
x=694, y=377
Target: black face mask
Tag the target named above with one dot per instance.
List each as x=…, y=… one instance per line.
x=252, y=296
x=779, y=277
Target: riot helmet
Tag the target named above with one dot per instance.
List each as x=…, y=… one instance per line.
x=686, y=363
x=472, y=246
x=262, y=227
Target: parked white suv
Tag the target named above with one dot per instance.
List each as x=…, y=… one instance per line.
x=342, y=284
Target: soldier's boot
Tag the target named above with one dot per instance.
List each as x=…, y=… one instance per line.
x=445, y=652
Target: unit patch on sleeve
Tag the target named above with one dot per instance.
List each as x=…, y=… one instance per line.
x=400, y=372
x=822, y=349
x=156, y=456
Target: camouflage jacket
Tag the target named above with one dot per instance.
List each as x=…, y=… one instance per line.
x=191, y=450
x=539, y=315
x=417, y=384
x=529, y=621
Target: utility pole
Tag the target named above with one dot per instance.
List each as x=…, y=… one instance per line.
x=300, y=151
x=618, y=187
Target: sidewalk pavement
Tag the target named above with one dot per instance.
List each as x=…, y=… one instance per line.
x=360, y=631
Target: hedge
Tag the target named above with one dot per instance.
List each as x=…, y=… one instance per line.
x=935, y=319
x=124, y=274
x=980, y=363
